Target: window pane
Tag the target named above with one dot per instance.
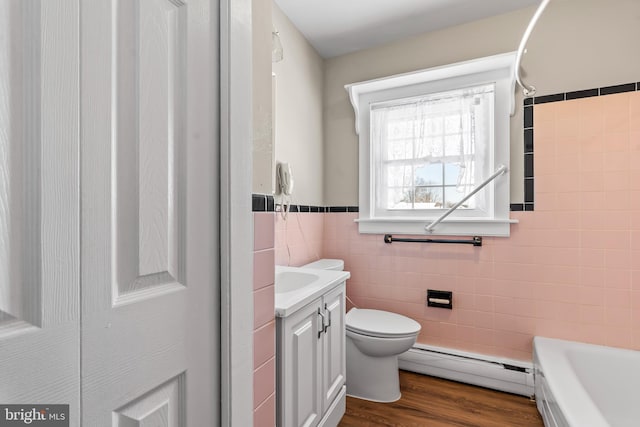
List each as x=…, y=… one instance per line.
x=399, y=198
x=398, y=176
x=434, y=126
x=429, y=174
x=453, y=145
x=399, y=130
x=399, y=149
x=428, y=198
x=453, y=195
x=452, y=124
x=428, y=147
x=451, y=173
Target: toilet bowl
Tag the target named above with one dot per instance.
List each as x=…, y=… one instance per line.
x=374, y=340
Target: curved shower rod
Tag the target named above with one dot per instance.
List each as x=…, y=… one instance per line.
x=527, y=89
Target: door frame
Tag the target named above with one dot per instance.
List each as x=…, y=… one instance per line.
x=236, y=225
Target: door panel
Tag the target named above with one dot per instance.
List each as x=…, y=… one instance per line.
x=39, y=220
x=149, y=145
x=150, y=275
x=334, y=346
x=301, y=365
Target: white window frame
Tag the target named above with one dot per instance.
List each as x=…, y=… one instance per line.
x=497, y=69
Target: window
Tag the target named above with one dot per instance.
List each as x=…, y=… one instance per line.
x=427, y=140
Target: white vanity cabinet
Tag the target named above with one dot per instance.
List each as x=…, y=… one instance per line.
x=311, y=363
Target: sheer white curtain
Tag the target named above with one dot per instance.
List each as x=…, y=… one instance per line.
x=430, y=151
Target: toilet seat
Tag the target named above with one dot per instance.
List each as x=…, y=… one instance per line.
x=381, y=324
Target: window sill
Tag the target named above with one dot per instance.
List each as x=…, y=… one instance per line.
x=448, y=227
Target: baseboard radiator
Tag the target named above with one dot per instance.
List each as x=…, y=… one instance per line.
x=478, y=369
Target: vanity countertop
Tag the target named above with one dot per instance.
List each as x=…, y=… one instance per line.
x=296, y=287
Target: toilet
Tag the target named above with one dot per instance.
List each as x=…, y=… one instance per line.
x=375, y=339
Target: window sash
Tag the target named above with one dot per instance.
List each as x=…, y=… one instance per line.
x=410, y=117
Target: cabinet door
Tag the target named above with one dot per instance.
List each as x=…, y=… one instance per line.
x=334, y=346
x=300, y=365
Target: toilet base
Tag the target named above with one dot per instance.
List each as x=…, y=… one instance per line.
x=372, y=378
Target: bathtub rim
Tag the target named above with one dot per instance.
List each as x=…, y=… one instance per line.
x=550, y=357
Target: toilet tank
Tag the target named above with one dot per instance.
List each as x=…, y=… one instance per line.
x=326, y=264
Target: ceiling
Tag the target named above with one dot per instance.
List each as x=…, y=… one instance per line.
x=336, y=27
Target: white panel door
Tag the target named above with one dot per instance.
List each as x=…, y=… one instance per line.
x=150, y=271
x=39, y=220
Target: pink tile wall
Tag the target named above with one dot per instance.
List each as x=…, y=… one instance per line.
x=299, y=238
x=264, y=334
x=571, y=268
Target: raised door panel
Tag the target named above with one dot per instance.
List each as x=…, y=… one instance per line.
x=39, y=222
x=161, y=407
x=300, y=360
x=148, y=147
x=334, y=363
x=149, y=267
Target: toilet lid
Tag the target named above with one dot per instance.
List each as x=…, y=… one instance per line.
x=380, y=323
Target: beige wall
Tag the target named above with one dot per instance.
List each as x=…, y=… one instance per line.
x=298, y=111
x=577, y=44
x=262, y=116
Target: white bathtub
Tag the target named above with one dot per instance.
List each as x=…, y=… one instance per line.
x=585, y=385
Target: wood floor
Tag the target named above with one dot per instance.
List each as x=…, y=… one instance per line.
x=429, y=401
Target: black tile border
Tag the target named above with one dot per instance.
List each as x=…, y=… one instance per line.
x=582, y=94
x=258, y=203
x=549, y=98
x=610, y=90
x=528, y=133
x=266, y=203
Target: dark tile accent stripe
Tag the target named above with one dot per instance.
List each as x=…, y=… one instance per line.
x=337, y=209
x=528, y=165
x=549, y=98
x=259, y=203
x=607, y=90
x=610, y=90
x=528, y=140
x=258, y=206
x=301, y=208
x=528, y=190
x=528, y=117
x=262, y=203
x=582, y=94
x=516, y=207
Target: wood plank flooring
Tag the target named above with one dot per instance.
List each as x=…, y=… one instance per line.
x=429, y=401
